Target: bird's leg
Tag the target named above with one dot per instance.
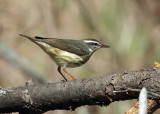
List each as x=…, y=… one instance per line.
x=73, y=78
x=59, y=70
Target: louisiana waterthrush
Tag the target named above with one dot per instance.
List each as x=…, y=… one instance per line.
x=67, y=53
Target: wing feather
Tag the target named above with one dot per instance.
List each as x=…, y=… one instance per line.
x=73, y=46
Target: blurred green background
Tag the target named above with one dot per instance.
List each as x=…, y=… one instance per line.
x=130, y=27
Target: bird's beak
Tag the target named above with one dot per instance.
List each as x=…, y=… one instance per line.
x=105, y=46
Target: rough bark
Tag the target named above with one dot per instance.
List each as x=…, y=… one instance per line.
x=70, y=95
x=153, y=105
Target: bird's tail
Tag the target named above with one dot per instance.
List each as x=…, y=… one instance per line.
x=39, y=41
x=30, y=38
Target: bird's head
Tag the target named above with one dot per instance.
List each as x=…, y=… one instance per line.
x=94, y=44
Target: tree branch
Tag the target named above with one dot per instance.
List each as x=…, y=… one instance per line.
x=153, y=105
x=70, y=95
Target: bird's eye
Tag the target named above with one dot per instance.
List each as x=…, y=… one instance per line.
x=96, y=44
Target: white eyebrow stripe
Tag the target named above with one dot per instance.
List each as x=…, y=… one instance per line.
x=91, y=41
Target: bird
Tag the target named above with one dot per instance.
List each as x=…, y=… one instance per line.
x=67, y=53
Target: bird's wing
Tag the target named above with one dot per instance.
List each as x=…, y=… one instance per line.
x=68, y=45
